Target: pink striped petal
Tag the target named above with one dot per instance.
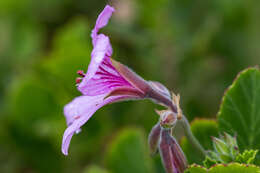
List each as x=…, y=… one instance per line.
x=102, y=21
x=80, y=110
x=106, y=78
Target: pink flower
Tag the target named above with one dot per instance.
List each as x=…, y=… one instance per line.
x=107, y=81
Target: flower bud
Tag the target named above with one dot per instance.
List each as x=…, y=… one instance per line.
x=232, y=143
x=220, y=146
x=226, y=148
x=173, y=158
x=153, y=138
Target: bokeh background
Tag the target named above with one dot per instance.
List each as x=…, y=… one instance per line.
x=195, y=48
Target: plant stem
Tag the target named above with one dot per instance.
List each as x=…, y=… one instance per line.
x=191, y=138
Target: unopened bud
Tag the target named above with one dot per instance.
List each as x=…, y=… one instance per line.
x=220, y=146
x=232, y=143
x=226, y=148
x=173, y=158
x=230, y=140
x=153, y=138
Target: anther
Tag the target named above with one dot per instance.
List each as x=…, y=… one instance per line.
x=81, y=73
x=78, y=80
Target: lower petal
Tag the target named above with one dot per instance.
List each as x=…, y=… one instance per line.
x=79, y=111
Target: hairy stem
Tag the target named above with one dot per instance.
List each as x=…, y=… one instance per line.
x=191, y=138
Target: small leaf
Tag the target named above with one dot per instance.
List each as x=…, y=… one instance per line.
x=248, y=156
x=208, y=162
x=240, y=112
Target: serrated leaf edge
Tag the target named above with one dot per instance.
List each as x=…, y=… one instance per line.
x=232, y=86
x=234, y=163
x=224, y=165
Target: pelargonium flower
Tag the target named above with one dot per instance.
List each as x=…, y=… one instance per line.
x=106, y=81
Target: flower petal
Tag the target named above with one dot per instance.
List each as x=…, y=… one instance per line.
x=126, y=91
x=105, y=79
x=134, y=79
x=79, y=111
x=102, y=21
x=101, y=43
x=101, y=76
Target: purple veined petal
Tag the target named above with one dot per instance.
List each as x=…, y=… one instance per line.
x=101, y=47
x=102, y=21
x=130, y=91
x=105, y=79
x=78, y=112
x=98, y=55
x=102, y=76
x=134, y=79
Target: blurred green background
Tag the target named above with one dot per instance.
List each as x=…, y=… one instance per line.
x=195, y=48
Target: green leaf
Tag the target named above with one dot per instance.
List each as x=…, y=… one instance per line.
x=240, y=112
x=224, y=168
x=234, y=168
x=208, y=162
x=128, y=153
x=196, y=169
x=94, y=169
x=248, y=156
x=203, y=129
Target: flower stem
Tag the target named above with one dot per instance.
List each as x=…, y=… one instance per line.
x=191, y=138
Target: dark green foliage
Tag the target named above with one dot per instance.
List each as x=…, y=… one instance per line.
x=128, y=152
x=94, y=169
x=71, y=52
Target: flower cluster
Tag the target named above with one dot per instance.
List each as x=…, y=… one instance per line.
x=161, y=139
x=106, y=81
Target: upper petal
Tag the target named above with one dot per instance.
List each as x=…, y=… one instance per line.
x=79, y=111
x=102, y=21
x=98, y=54
x=101, y=75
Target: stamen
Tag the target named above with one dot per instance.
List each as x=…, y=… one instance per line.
x=78, y=80
x=81, y=73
